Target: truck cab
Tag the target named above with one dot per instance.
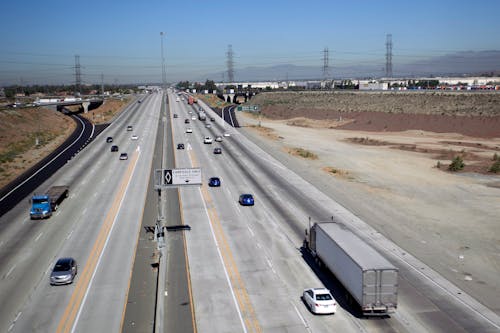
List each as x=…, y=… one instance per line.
x=40, y=207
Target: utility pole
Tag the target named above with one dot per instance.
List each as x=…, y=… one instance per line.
x=230, y=63
x=388, y=56
x=163, y=71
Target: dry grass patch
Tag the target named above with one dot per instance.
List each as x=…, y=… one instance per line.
x=107, y=111
x=315, y=123
x=265, y=132
x=367, y=141
x=301, y=152
x=336, y=172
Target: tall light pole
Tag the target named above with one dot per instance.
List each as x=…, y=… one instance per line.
x=163, y=73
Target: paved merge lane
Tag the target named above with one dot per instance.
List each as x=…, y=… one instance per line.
x=97, y=179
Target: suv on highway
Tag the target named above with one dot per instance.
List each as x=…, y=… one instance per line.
x=114, y=148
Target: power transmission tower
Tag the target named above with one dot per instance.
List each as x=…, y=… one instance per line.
x=388, y=56
x=78, y=75
x=326, y=68
x=102, y=84
x=230, y=63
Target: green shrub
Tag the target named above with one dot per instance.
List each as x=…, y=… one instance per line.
x=457, y=164
x=496, y=157
x=495, y=167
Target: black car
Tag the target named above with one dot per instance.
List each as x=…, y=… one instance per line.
x=64, y=271
x=109, y=139
x=129, y=128
x=175, y=115
x=212, y=119
x=214, y=182
x=217, y=150
x=180, y=146
x=114, y=148
x=187, y=121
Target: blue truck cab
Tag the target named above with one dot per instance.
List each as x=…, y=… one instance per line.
x=43, y=205
x=40, y=207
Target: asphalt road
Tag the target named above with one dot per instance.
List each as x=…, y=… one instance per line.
x=26, y=183
x=98, y=225
x=247, y=266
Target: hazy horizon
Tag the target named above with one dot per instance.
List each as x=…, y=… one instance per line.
x=121, y=40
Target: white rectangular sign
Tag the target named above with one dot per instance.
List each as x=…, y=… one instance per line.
x=186, y=176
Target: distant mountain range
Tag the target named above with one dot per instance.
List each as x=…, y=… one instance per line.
x=456, y=64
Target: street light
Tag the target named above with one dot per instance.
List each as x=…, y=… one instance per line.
x=163, y=74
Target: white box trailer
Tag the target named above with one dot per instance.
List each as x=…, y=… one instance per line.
x=369, y=277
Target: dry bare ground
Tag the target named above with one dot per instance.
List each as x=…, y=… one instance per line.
x=389, y=176
x=19, y=129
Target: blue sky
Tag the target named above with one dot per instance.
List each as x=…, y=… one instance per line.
x=121, y=39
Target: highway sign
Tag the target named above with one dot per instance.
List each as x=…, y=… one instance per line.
x=251, y=108
x=176, y=177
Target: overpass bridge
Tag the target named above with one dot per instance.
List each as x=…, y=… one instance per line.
x=86, y=103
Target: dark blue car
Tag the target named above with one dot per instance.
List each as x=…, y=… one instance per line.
x=246, y=200
x=214, y=182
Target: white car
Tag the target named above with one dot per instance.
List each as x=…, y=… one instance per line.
x=189, y=130
x=218, y=139
x=208, y=140
x=320, y=300
x=134, y=137
x=193, y=118
x=227, y=134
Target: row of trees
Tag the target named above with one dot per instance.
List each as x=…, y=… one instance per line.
x=209, y=85
x=12, y=91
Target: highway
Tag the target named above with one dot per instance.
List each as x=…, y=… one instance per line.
x=237, y=269
x=247, y=266
x=97, y=225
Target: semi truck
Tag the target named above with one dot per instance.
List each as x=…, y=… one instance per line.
x=43, y=205
x=370, y=279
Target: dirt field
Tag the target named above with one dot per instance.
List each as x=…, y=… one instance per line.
x=19, y=130
x=390, y=178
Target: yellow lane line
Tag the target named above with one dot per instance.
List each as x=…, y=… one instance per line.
x=237, y=284
x=68, y=319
